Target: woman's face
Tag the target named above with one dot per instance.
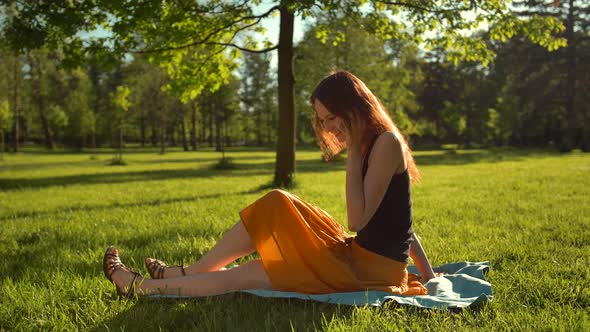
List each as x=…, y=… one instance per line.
x=330, y=122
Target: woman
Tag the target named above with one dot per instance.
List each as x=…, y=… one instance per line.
x=301, y=247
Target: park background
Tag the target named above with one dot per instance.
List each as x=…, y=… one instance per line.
x=150, y=125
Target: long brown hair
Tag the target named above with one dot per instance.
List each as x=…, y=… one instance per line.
x=348, y=98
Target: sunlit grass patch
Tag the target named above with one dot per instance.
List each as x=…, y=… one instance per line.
x=526, y=212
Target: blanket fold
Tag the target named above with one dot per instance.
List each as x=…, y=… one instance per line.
x=463, y=285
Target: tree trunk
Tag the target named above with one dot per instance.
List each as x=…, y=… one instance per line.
x=259, y=127
x=142, y=130
x=46, y=130
x=93, y=139
x=171, y=133
x=573, y=123
x=121, y=142
x=285, y=159
x=96, y=102
x=44, y=123
x=183, y=134
x=193, y=131
x=210, y=127
x=154, y=137
x=38, y=97
x=1, y=144
x=203, y=135
x=218, y=137
x=224, y=133
x=162, y=139
x=269, y=126
x=16, y=109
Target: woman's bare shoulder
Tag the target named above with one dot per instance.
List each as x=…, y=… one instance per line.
x=388, y=149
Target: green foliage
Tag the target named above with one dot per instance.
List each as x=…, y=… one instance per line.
x=454, y=121
x=188, y=40
x=389, y=69
x=58, y=119
x=193, y=70
x=493, y=127
x=120, y=98
x=444, y=24
x=77, y=105
x=198, y=46
x=258, y=98
x=6, y=118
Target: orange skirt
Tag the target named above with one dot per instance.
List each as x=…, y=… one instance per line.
x=303, y=249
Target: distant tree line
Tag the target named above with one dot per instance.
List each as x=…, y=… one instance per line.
x=81, y=108
x=529, y=96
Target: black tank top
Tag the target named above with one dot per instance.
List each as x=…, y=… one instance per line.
x=389, y=232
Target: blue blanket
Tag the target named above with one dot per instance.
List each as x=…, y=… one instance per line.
x=462, y=285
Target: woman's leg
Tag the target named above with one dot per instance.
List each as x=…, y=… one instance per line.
x=250, y=275
x=234, y=244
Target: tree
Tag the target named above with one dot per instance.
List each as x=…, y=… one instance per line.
x=567, y=63
x=150, y=104
x=176, y=29
x=121, y=105
x=257, y=91
x=5, y=123
x=77, y=105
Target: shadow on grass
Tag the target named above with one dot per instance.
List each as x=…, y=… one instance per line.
x=41, y=214
x=120, y=177
x=247, y=312
x=462, y=157
x=230, y=312
x=41, y=150
x=245, y=168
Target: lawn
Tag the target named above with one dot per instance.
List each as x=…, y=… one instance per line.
x=527, y=212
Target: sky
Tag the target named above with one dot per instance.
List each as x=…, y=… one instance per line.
x=272, y=24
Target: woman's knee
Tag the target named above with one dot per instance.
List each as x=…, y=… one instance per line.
x=278, y=193
x=278, y=197
x=252, y=275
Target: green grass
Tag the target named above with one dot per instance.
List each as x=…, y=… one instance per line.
x=527, y=212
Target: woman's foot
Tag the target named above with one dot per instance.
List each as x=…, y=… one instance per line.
x=159, y=270
x=126, y=281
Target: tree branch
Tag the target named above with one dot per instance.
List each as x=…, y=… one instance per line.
x=244, y=49
x=426, y=9
x=205, y=40
x=202, y=42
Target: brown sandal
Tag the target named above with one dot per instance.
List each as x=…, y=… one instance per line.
x=156, y=268
x=111, y=262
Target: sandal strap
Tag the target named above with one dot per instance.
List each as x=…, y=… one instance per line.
x=161, y=269
x=157, y=268
x=154, y=267
x=131, y=288
x=182, y=268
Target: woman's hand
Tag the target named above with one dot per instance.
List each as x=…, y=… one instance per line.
x=354, y=134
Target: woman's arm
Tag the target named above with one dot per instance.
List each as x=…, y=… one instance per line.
x=419, y=257
x=355, y=198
